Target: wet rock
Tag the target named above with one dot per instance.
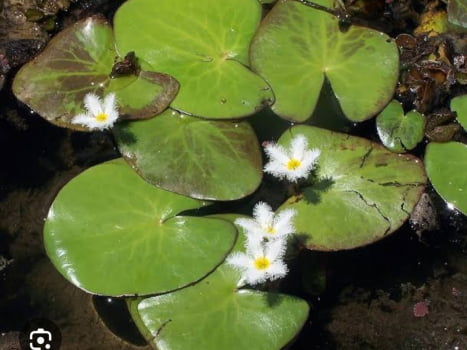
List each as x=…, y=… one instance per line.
x=443, y=133
x=21, y=51
x=424, y=217
x=9, y=340
x=407, y=322
x=440, y=126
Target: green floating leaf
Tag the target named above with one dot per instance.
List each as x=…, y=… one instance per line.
x=397, y=131
x=446, y=166
x=457, y=12
x=459, y=105
x=76, y=61
x=202, y=159
x=361, y=193
x=297, y=47
x=79, y=60
x=213, y=314
x=143, y=96
x=109, y=232
x=204, y=45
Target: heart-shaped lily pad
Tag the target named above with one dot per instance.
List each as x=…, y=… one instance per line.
x=79, y=60
x=109, y=232
x=446, y=166
x=204, y=45
x=459, y=105
x=213, y=314
x=397, y=131
x=297, y=47
x=360, y=193
x=202, y=159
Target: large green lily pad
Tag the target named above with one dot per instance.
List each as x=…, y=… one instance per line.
x=398, y=131
x=213, y=314
x=202, y=159
x=204, y=45
x=109, y=232
x=459, y=105
x=78, y=61
x=446, y=166
x=297, y=47
x=360, y=192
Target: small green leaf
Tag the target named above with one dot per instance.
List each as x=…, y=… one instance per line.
x=109, y=232
x=459, y=105
x=397, y=131
x=77, y=61
x=203, y=159
x=204, y=45
x=296, y=48
x=446, y=166
x=360, y=192
x=457, y=12
x=213, y=314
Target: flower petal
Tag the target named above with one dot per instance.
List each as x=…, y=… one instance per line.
x=275, y=250
x=93, y=104
x=283, y=222
x=254, y=276
x=110, y=104
x=298, y=146
x=276, y=153
x=277, y=270
x=238, y=260
x=263, y=214
x=310, y=158
x=276, y=169
x=105, y=125
x=254, y=247
x=300, y=172
x=82, y=119
x=248, y=225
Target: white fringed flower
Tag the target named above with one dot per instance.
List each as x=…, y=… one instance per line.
x=99, y=115
x=265, y=224
x=261, y=262
x=294, y=163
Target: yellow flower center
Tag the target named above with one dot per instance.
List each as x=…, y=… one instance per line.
x=293, y=164
x=270, y=230
x=102, y=117
x=261, y=263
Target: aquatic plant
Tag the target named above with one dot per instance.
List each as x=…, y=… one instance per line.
x=185, y=76
x=446, y=163
x=399, y=132
x=99, y=114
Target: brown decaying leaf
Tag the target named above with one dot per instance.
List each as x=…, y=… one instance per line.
x=431, y=68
